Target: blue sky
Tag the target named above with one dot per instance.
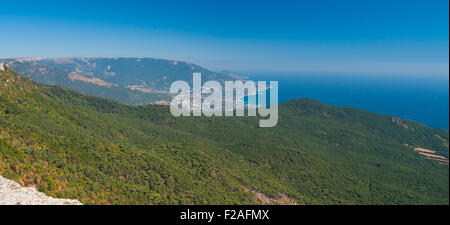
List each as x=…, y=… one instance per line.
x=361, y=37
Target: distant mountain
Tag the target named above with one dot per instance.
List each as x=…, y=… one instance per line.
x=98, y=151
x=127, y=80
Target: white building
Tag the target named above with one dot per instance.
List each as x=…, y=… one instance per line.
x=2, y=66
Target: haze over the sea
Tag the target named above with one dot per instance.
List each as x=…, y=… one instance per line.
x=420, y=98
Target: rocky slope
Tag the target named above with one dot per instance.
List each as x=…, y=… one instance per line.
x=11, y=193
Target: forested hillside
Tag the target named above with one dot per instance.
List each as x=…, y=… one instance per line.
x=99, y=151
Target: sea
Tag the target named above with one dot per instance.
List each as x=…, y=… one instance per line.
x=421, y=98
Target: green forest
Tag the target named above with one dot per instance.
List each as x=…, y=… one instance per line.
x=99, y=151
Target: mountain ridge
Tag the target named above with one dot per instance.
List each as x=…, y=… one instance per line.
x=133, y=81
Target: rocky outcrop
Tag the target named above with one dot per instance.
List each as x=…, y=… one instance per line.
x=92, y=80
x=11, y=193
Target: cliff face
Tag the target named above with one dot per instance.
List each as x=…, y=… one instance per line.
x=11, y=193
